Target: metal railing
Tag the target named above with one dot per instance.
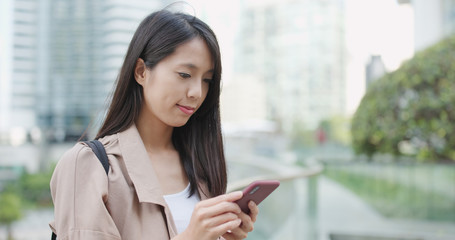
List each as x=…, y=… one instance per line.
x=284, y=173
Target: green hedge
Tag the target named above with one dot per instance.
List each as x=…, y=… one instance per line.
x=411, y=111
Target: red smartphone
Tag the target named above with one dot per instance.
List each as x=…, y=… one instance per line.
x=256, y=192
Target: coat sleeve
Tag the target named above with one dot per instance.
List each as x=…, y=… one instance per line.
x=79, y=188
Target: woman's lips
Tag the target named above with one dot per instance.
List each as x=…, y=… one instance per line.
x=185, y=109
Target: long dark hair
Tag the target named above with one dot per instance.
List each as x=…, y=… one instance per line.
x=199, y=142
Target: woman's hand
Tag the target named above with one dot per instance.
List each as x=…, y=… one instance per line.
x=246, y=226
x=216, y=216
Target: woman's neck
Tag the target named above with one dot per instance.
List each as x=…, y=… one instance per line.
x=155, y=135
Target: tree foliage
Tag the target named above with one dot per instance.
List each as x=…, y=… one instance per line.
x=35, y=188
x=10, y=210
x=411, y=111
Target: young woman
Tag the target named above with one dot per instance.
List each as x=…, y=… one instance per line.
x=162, y=135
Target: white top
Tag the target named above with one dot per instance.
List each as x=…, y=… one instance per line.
x=181, y=207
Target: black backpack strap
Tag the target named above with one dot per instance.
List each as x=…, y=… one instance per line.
x=100, y=153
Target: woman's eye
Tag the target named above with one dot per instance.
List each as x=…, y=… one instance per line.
x=184, y=75
x=208, y=80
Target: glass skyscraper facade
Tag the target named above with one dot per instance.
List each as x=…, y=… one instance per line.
x=65, y=58
x=20, y=66
x=297, y=49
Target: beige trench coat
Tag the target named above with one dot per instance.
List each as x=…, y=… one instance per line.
x=125, y=204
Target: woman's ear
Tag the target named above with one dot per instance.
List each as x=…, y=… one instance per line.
x=139, y=71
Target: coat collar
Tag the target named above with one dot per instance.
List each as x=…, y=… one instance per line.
x=141, y=172
x=139, y=166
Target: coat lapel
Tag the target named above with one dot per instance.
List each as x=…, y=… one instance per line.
x=142, y=173
x=139, y=166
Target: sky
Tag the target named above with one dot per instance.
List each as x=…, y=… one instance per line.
x=376, y=27
x=381, y=27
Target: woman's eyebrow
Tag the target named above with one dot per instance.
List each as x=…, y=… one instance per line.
x=189, y=65
x=192, y=66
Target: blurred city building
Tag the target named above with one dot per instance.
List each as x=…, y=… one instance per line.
x=63, y=56
x=433, y=20
x=375, y=69
x=20, y=67
x=295, y=52
x=59, y=61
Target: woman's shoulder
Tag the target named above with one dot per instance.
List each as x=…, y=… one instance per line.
x=77, y=164
x=73, y=157
x=72, y=154
x=110, y=142
x=81, y=154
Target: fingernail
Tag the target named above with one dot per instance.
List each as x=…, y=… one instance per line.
x=237, y=193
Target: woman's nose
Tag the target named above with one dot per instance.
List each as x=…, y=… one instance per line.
x=195, y=89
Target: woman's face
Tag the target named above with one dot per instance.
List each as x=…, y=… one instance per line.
x=177, y=86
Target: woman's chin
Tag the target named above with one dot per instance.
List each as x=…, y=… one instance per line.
x=179, y=123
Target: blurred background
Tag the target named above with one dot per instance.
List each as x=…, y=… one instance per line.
x=350, y=103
